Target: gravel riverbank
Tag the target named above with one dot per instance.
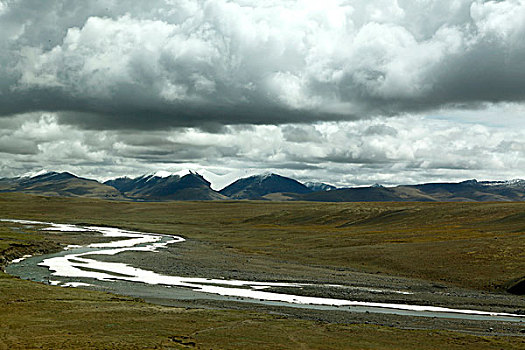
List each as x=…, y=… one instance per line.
x=193, y=258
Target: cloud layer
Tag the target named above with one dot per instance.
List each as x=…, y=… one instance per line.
x=396, y=150
x=154, y=64
x=349, y=92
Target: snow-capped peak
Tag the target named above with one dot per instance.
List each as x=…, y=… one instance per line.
x=32, y=174
x=162, y=173
x=515, y=182
x=266, y=175
x=509, y=183
x=263, y=176
x=183, y=172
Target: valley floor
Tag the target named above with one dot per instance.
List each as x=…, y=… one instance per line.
x=443, y=253
x=197, y=259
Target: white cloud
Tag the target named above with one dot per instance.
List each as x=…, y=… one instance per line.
x=501, y=19
x=398, y=150
x=300, y=87
x=177, y=62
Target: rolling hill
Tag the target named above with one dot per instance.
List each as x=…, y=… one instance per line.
x=466, y=191
x=59, y=184
x=259, y=186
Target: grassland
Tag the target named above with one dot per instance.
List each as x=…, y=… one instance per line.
x=38, y=316
x=473, y=245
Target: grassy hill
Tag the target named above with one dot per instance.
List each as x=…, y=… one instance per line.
x=60, y=184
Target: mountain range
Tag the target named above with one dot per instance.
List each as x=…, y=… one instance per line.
x=173, y=187
x=193, y=186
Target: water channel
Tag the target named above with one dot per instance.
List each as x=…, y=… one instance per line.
x=75, y=267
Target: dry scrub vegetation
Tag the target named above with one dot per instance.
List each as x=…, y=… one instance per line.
x=475, y=245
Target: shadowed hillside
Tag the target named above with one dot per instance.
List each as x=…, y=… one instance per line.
x=258, y=186
x=155, y=188
x=59, y=184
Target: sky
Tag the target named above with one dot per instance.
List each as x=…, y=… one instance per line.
x=350, y=93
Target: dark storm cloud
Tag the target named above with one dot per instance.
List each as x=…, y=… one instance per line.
x=178, y=153
x=301, y=133
x=133, y=115
x=347, y=92
x=158, y=64
x=17, y=146
x=380, y=129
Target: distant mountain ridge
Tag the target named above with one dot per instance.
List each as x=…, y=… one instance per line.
x=465, y=191
x=163, y=186
x=173, y=187
x=59, y=184
x=258, y=186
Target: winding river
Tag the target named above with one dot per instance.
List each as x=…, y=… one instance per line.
x=73, y=268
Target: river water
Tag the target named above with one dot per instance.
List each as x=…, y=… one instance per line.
x=74, y=267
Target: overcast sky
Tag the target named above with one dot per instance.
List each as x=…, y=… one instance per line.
x=345, y=92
